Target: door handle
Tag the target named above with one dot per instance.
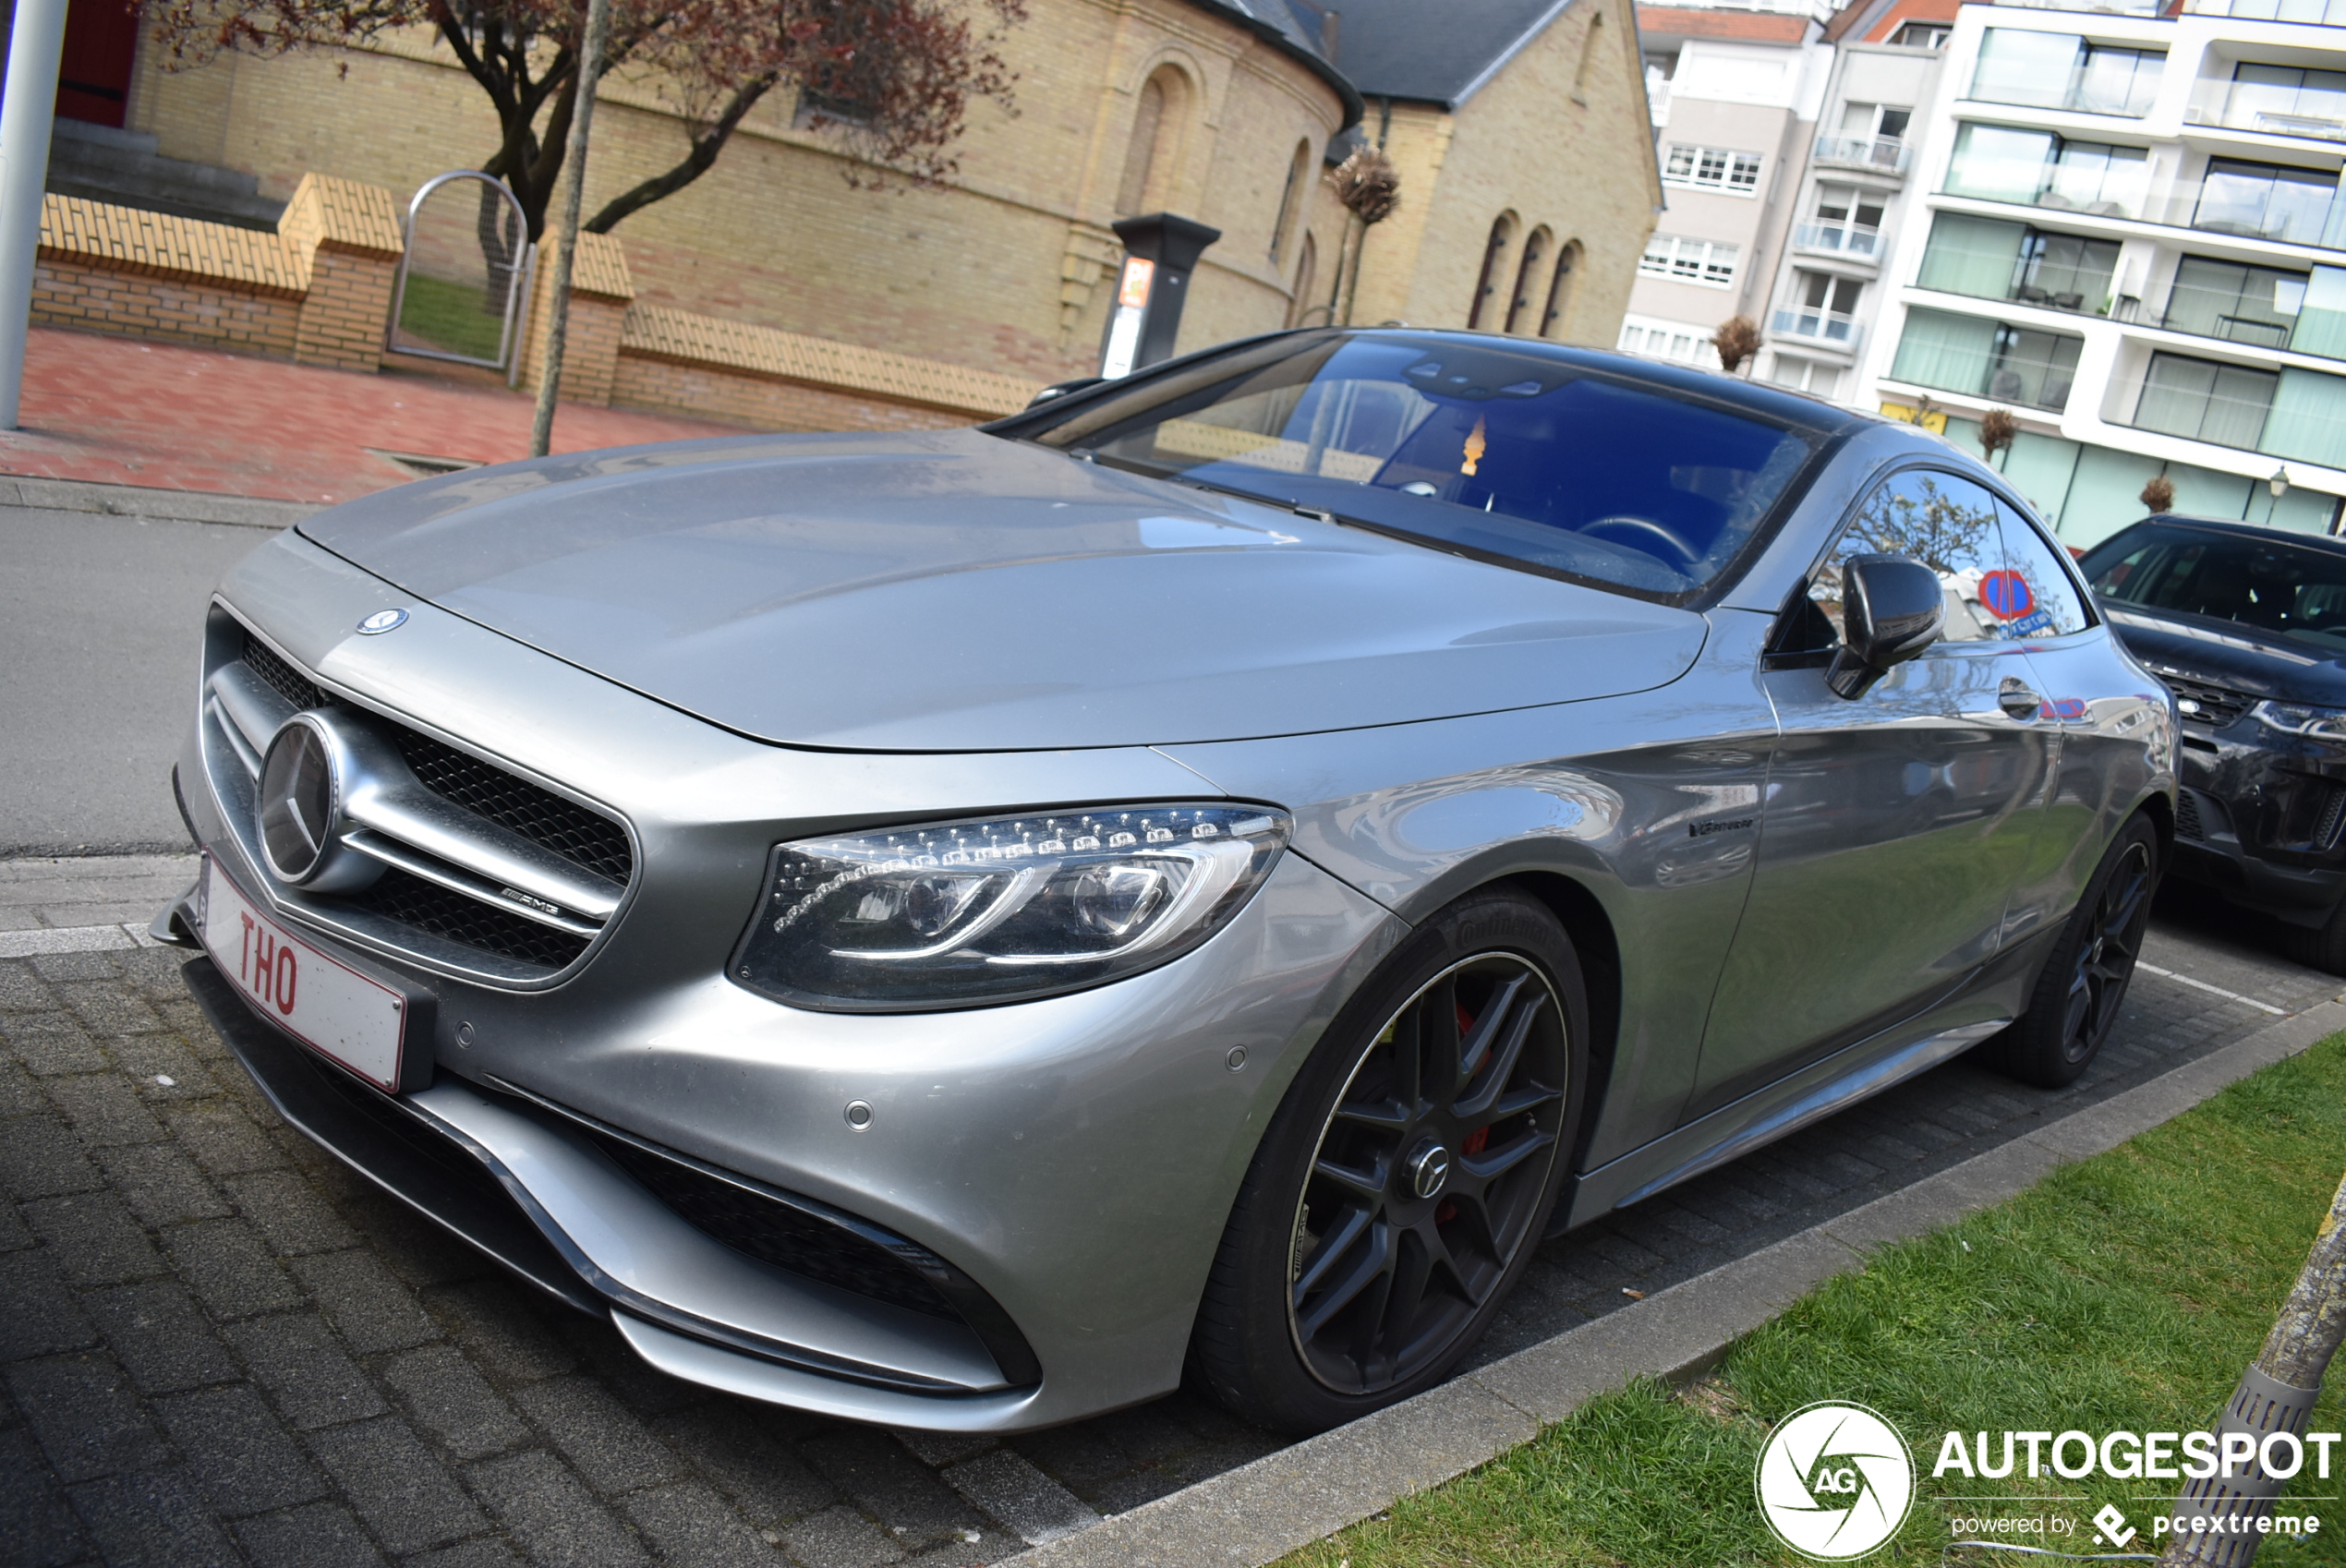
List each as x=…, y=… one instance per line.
x=2017, y=701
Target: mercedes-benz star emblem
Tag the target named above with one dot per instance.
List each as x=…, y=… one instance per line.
x=299, y=795
x=383, y=620
x=1429, y=1169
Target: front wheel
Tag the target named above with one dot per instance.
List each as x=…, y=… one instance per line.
x=1407, y=1176
x=2077, y=996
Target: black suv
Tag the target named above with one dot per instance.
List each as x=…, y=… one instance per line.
x=2249, y=626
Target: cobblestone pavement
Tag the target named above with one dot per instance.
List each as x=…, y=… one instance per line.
x=218, y=1346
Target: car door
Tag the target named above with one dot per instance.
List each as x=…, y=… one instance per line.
x=1895, y=826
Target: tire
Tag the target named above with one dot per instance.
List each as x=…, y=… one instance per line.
x=2322, y=946
x=1407, y=1178
x=2085, y=978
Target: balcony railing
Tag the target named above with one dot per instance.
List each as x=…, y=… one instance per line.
x=1839, y=239
x=2318, y=112
x=1827, y=327
x=1881, y=155
x=2332, y=12
x=2292, y=214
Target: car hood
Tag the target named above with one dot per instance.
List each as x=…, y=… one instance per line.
x=2225, y=653
x=955, y=591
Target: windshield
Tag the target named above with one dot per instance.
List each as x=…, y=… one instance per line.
x=2285, y=589
x=1505, y=452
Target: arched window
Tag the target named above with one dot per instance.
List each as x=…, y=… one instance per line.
x=1494, y=273
x=1529, y=277
x=1560, y=290
x=1307, y=272
x=1150, y=157
x=1291, y=200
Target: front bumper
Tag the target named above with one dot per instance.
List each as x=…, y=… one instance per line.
x=1073, y=1159
x=2263, y=819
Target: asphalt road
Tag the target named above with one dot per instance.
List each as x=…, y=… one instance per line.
x=100, y=622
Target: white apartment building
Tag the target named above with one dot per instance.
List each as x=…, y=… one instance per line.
x=1733, y=92
x=2130, y=232
x=1819, y=314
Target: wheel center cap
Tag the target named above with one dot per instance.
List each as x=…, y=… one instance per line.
x=1429, y=1168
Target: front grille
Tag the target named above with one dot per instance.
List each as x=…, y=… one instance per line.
x=775, y=1233
x=584, y=838
x=2333, y=809
x=287, y=681
x=2217, y=705
x=452, y=917
x=2187, y=823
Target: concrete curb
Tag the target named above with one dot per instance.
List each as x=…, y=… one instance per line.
x=1262, y=1511
x=131, y=500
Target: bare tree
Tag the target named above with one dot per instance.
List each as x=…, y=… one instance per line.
x=895, y=77
x=2160, y=494
x=1997, y=429
x=1737, y=341
x=1369, y=188
x=2275, y=1394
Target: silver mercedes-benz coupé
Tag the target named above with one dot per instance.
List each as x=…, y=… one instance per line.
x=962, y=929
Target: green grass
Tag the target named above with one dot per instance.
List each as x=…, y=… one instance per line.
x=447, y=315
x=2125, y=1292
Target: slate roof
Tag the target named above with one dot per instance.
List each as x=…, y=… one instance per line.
x=1293, y=30
x=1435, y=51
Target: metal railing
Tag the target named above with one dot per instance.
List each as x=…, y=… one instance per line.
x=1881, y=155
x=2329, y=12
x=1839, y=239
x=1818, y=325
x=2318, y=112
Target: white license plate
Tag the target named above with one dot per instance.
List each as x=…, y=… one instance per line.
x=318, y=1000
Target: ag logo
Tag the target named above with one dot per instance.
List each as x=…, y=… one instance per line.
x=1834, y=1481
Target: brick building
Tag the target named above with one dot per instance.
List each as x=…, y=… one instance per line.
x=1227, y=111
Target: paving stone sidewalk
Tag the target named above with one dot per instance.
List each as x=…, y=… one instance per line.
x=219, y=1346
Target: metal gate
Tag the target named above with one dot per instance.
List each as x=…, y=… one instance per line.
x=464, y=277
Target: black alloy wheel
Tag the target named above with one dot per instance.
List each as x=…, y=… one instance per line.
x=1406, y=1179
x=1427, y=1173
x=2084, y=981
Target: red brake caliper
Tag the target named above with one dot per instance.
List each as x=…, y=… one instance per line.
x=1476, y=1141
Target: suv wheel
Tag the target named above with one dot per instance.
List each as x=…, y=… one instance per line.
x=1407, y=1176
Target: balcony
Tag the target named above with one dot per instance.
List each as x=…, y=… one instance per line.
x=2316, y=113
x=1853, y=240
x=1876, y=154
x=2332, y=12
x=1829, y=327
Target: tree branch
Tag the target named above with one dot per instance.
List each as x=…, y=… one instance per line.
x=705, y=149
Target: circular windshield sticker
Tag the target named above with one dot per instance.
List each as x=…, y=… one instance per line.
x=2006, y=595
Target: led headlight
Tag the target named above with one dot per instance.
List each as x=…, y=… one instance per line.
x=2296, y=719
x=1000, y=909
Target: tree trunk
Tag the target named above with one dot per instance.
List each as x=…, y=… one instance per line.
x=2276, y=1396
x=706, y=147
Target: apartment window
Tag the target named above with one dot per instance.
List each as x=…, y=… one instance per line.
x=2199, y=399
x=1982, y=358
x=2270, y=200
x=1846, y=219
x=2289, y=98
x=2240, y=304
x=1712, y=168
x=1921, y=35
x=1887, y=121
x=1824, y=307
x=1805, y=375
x=2040, y=169
x=1991, y=260
x=1659, y=340
x=1702, y=262
x=2059, y=70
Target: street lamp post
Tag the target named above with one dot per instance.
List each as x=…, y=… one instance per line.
x=28, y=109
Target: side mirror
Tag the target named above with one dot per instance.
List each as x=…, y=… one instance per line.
x=1892, y=609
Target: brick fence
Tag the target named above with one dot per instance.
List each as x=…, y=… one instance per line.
x=319, y=292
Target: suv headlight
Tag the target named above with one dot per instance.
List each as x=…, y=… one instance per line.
x=2297, y=718
x=1000, y=909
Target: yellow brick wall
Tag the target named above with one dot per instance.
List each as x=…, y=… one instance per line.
x=71, y=294
x=707, y=391
x=1561, y=148
x=997, y=271
x=601, y=289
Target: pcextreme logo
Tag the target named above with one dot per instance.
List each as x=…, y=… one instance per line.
x=1834, y=1481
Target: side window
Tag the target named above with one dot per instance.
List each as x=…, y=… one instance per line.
x=1946, y=523
x=2038, y=598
